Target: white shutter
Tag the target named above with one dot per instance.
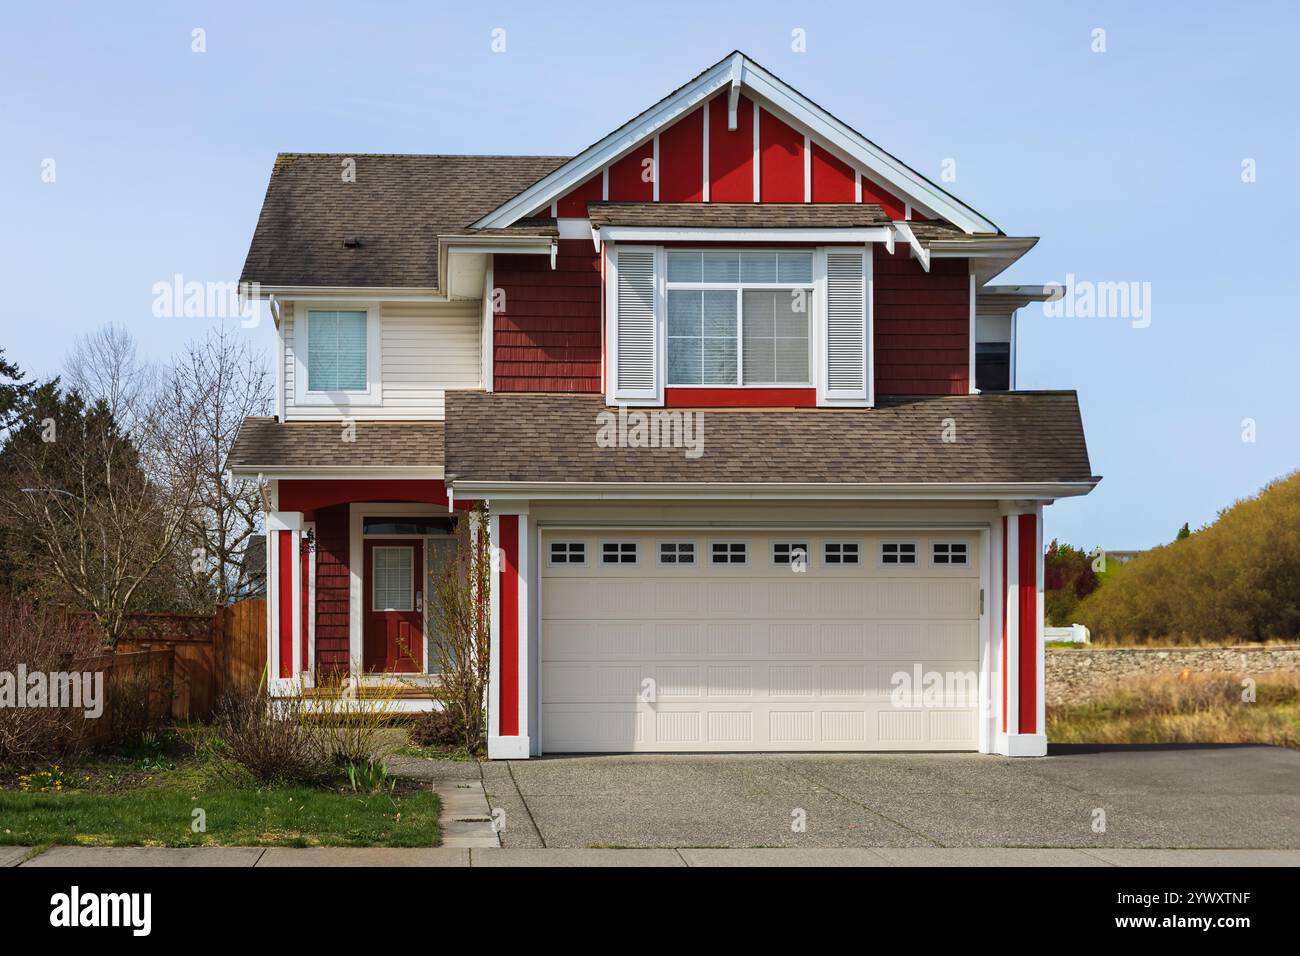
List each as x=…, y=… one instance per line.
x=635, y=329
x=846, y=325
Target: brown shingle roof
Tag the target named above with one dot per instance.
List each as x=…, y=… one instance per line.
x=397, y=207
x=268, y=443
x=1010, y=437
x=739, y=215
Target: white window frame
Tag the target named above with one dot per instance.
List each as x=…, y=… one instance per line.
x=740, y=287
x=841, y=563
x=620, y=543
x=807, y=552
x=749, y=551
x=966, y=555
x=373, y=393
x=916, y=554
x=821, y=371
x=567, y=563
x=374, y=570
x=677, y=543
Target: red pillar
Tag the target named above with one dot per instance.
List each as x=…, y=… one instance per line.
x=285, y=567
x=1027, y=596
x=508, y=583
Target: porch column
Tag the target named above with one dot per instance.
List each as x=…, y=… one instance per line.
x=1022, y=717
x=508, y=684
x=284, y=584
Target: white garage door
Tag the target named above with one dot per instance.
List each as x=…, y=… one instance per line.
x=707, y=641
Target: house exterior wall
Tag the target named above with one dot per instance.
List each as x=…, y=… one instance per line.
x=425, y=349
x=332, y=586
x=547, y=334
x=922, y=325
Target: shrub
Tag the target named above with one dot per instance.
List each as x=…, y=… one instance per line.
x=439, y=728
x=267, y=739
x=351, y=728
x=42, y=640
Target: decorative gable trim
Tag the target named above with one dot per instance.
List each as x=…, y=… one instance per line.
x=735, y=71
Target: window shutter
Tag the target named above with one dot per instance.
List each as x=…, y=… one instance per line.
x=846, y=325
x=636, y=332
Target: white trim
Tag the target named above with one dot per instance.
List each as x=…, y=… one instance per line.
x=1011, y=612
x=989, y=673
x=533, y=247
x=373, y=393
x=1040, y=693
x=308, y=667
x=856, y=236
x=575, y=228
x=758, y=156
x=487, y=350
x=494, y=629
x=733, y=92
x=919, y=252
x=899, y=178
x=655, y=163
x=705, y=184
x=1026, y=745
x=857, y=185
x=864, y=397
x=773, y=491
x=508, y=748
x=284, y=521
x=604, y=185
x=970, y=381
x=807, y=168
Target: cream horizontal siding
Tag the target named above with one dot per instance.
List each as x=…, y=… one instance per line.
x=426, y=348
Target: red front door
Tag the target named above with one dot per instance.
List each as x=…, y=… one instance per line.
x=393, y=628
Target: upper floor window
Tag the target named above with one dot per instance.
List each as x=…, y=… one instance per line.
x=336, y=351
x=739, y=317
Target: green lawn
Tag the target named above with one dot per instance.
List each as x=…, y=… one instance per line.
x=123, y=803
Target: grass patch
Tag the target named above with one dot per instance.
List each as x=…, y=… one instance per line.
x=125, y=801
x=1185, y=708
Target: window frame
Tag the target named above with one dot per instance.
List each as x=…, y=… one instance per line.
x=966, y=554
x=916, y=553
x=749, y=550
x=677, y=543
x=566, y=563
x=739, y=287
x=374, y=575
x=840, y=562
x=302, y=394
x=620, y=543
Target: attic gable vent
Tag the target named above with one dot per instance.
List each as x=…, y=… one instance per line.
x=351, y=242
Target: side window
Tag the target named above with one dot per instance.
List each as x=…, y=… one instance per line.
x=336, y=351
x=618, y=552
x=948, y=553
x=789, y=552
x=841, y=552
x=568, y=552
x=893, y=553
x=730, y=552
x=676, y=552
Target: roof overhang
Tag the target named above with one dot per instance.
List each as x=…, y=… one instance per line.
x=336, y=472
x=732, y=73
x=989, y=256
x=658, y=491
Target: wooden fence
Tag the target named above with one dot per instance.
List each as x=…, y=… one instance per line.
x=178, y=665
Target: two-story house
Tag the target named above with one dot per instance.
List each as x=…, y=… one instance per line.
x=741, y=399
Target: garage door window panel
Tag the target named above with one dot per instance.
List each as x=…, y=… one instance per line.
x=945, y=554
x=894, y=554
x=734, y=553
x=568, y=552
x=786, y=553
x=842, y=553
x=676, y=553
x=618, y=552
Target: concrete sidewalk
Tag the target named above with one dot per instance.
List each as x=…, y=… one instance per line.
x=78, y=857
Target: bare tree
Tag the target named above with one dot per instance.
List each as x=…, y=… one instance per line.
x=462, y=642
x=106, y=365
x=212, y=386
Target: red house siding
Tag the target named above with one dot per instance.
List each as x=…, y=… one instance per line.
x=508, y=585
x=922, y=325
x=547, y=339
x=832, y=180
x=780, y=168
x=731, y=152
x=332, y=588
x=892, y=205
x=574, y=205
x=681, y=160
x=1028, y=621
x=628, y=181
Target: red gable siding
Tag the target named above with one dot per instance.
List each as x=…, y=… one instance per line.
x=681, y=160
x=626, y=180
x=873, y=193
x=547, y=339
x=921, y=325
x=574, y=205
x=780, y=167
x=832, y=180
x=731, y=152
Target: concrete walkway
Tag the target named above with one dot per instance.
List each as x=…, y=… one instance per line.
x=71, y=856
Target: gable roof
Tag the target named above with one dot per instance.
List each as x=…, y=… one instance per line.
x=1012, y=438
x=737, y=71
x=397, y=207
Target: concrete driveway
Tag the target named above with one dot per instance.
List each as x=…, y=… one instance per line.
x=1160, y=796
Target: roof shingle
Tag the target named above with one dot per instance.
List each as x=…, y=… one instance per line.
x=268, y=443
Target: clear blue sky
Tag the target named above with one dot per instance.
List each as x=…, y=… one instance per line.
x=1127, y=163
